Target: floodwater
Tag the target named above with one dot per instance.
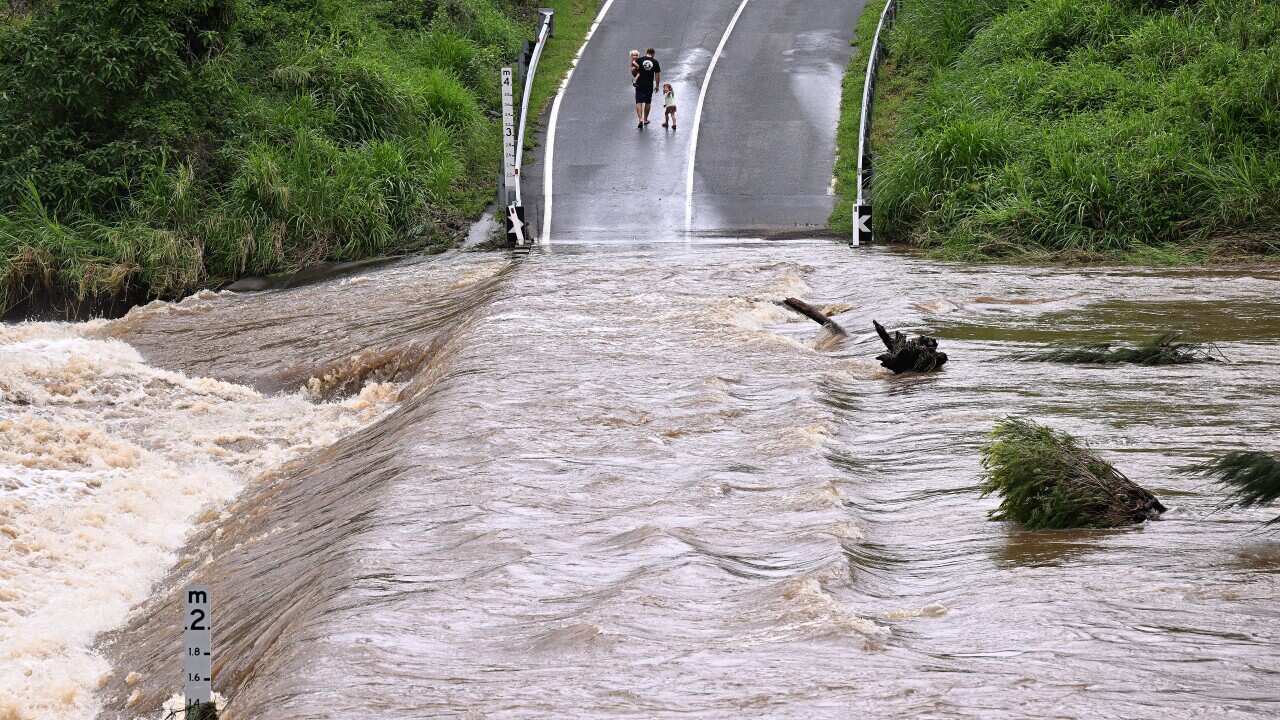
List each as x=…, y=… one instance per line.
x=620, y=481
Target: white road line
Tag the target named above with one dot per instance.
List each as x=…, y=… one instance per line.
x=548, y=163
x=697, y=117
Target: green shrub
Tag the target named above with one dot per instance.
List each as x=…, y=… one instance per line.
x=1047, y=480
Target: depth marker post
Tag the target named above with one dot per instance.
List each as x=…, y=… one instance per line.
x=513, y=212
x=508, y=137
x=197, y=654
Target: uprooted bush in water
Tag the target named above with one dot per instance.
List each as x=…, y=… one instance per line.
x=1166, y=349
x=1254, y=477
x=1047, y=480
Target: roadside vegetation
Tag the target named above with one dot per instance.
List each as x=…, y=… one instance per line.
x=1143, y=130
x=152, y=147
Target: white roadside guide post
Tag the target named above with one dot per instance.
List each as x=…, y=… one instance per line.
x=197, y=655
x=862, y=207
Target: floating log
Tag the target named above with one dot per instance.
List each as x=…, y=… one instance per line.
x=814, y=314
x=1048, y=480
x=919, y=354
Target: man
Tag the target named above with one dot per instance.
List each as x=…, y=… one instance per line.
x=648, y=79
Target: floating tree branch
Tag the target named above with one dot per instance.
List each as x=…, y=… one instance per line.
x=813, y=314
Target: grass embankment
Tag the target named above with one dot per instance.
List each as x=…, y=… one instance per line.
x=1144, y=130
x=152, y=147
x=573, y=20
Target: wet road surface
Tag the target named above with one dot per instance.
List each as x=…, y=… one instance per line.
x=767, y=133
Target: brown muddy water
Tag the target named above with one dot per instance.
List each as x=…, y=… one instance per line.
x=622, y=482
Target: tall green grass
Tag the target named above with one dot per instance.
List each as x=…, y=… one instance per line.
x=1084, y=129
x=152, y=147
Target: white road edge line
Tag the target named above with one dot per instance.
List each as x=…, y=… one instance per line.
x=548, y=161
x=697, y=117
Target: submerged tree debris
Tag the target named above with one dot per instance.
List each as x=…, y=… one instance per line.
x=813, y=314
x=1254, y=477
x=1048, y=480
x=919, y=354
x=1164, y=349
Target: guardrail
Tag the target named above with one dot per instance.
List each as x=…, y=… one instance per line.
x=862, y=207
x=511, y=194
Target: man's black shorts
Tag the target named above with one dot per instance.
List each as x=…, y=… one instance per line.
x=644, y=94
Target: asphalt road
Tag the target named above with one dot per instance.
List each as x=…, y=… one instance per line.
x=767, y=134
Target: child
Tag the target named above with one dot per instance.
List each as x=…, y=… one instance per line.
x=635, y=66
x=669, y=102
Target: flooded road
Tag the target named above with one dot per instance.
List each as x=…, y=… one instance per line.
x=622, y=482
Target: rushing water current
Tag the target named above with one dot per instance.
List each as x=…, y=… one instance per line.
x=623, y=482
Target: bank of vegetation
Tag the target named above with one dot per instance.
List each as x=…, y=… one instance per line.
x=152, y=147
x=1144, y=130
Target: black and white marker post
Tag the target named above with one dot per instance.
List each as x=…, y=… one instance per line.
x=862, y=223
x=197, y=654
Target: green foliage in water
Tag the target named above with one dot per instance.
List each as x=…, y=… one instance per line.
x=1085, y=129
x=154, y=146
x=1164, y=349
x=1254, y=477
x=1048, y=480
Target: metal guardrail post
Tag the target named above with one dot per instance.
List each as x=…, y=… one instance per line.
x=862, y=206
x=518, y=234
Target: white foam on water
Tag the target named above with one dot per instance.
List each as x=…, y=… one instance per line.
x=106, y=463
x=807, y=609
x=932, y=610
